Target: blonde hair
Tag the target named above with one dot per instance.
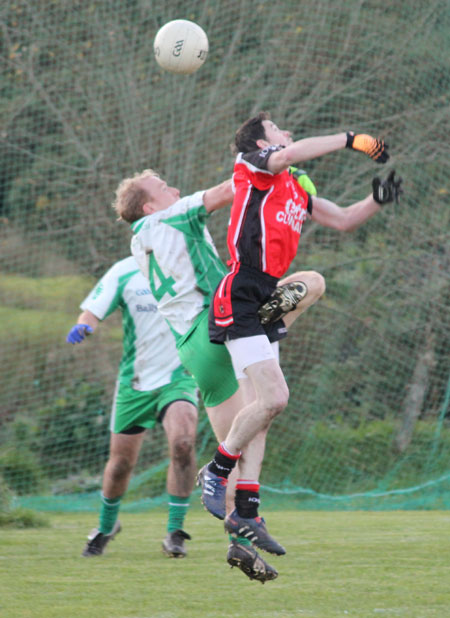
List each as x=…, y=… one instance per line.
x=130, y=197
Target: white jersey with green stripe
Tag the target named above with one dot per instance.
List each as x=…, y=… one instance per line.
x=149, y=354
x=175, y=251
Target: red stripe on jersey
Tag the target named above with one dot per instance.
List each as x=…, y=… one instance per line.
x=223, y=310
x=239, y=226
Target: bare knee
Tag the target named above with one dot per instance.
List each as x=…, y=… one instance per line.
x=182, y=451
x=276, y=402
x=316, y=284
x=119, y=468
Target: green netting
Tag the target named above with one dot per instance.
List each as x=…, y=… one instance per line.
x=83, y=104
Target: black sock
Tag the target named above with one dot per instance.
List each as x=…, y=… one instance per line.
x=222, y=464
x=247, y=503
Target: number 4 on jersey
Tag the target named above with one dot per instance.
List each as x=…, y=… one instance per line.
x=165, y=284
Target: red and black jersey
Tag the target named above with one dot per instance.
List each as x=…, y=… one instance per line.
x=267, y=214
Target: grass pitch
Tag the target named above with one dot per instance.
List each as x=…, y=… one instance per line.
x=346, y=564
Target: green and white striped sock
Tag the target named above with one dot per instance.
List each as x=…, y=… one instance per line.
x=177, y=512
x=109, y=511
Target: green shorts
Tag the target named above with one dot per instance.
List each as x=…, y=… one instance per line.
x=209, y=363
x=133, y=408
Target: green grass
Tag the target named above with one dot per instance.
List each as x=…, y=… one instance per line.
x=36, y=326
x=22, y=518
x=352, y=564
x=44, y=293
x=44, y=308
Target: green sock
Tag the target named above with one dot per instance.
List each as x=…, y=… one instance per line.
x=108, y=513
x=177, y=512
x=240, y=539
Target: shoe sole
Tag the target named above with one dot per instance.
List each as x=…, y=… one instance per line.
x=298, y=297
x=251, y=573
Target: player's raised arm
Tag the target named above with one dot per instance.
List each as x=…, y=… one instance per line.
x=261, y=133
x=329, y=214
x=304, y=149
x=313, y=147
x=218, y=196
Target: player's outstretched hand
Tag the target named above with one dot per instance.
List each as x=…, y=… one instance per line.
x=78, y=332
x=388, y=190
x=375, y=148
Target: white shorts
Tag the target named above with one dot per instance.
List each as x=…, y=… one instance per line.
x=247, y=351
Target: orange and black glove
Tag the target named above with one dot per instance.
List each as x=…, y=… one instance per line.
x=376, y=149
x=388, y=190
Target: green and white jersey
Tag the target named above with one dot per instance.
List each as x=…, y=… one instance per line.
x=149, y=354
x=176, y=253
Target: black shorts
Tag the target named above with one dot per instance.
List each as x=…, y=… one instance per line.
x=233, y=313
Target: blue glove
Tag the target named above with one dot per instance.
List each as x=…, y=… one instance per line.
x=78, y=332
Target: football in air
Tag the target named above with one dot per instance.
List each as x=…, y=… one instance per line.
x=181, y=46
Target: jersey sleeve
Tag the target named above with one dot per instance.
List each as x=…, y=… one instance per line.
x=185, y=204
x=104, y=298
x=253, y=165
x=188, y=211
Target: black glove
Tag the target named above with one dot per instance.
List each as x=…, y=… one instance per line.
x=388, y=190
x=376, y=149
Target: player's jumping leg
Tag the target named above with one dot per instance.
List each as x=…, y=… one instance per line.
x=244, y=522
x=240, y=551
x=214, y=476
x=214, y=482
x=272, y=396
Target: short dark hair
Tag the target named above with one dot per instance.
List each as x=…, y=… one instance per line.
x=250, y=132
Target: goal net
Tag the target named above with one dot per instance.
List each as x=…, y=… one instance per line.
x=83, y=104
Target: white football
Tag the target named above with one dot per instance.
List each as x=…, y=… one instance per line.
x=181, y=46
